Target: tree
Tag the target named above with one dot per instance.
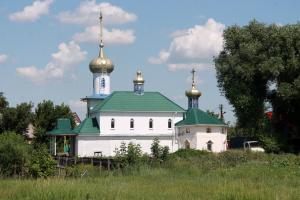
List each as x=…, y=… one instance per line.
x=3, y=105
x=17, y=119
x=3, y=102
x=45, y=118
x=212, y=113
x=14, y=153
x=260, y=66
x=159, y=152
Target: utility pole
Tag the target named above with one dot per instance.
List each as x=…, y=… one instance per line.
x=222, y=113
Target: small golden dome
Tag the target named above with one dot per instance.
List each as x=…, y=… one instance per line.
x=101, y=64
x=138, y=79
x=193, y=92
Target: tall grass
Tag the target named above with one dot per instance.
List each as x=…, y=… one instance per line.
x=232, y=175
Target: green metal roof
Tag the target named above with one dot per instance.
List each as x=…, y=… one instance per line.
x=89, y=125
x=129, y=101
x=63, y=127
x=196, y=116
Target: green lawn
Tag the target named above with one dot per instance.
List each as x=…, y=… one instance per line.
x=229, y=176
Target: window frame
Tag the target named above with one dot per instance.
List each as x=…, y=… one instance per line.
x=131, y=123
x=112, y=123
x=169, y=123
x=150, y=123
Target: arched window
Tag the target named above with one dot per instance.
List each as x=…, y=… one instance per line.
x=151, y=123
x=209, y=145
x=112, y=123
x=169, y=123
x=103, y=82
x=131, y=123
x=208, y=130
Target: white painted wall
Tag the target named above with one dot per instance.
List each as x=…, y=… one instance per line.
x=198, y=137
x=87, y=145
x=141, y=123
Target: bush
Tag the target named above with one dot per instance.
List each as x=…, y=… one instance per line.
x=185, y=153
x=128, y=155
x=14, y=153
x=159, y=153
x=41, y=164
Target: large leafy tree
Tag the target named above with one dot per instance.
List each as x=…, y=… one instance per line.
x=45, y=118
x=259, y=66
x=17, y=118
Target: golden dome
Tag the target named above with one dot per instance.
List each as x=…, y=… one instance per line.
x=138, y=79
x=101, y=64
x=193, y=92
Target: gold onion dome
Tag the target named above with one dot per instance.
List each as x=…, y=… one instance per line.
x=101, y=64
x=138, y=79
x=193, y=92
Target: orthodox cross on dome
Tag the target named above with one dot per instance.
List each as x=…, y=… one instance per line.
x=101, y=26
x=193, y=71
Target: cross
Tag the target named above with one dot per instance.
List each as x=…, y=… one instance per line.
x=193, y=71
x=101, y=24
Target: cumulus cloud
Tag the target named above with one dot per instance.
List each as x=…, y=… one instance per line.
x=114, y=37
x=87, y=14
x=3, y=58
x=194, y=47
x=33, y=12
x=68, y=57
x=77, y=106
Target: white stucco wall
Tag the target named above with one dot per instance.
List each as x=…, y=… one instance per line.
x=198, y=137
x=87, y=145
x=141, y=123
x=110, y=138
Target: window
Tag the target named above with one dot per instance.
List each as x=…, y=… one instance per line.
x=103, y=82
x=151, y=123
x=169, y=123
x=208, y=130
x=131, y=123
x=209, y=145
x=112, y=123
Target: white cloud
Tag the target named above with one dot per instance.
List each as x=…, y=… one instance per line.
x=162, y=57
x=87, y=14
x=32, y=13
x=194, y=46
x=3, y=58
x=68, y=57
x=115, y=37
x=77, y=105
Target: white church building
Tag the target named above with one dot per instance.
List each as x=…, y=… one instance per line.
x=138, y=117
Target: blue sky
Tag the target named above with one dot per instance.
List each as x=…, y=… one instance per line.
x=46, y=46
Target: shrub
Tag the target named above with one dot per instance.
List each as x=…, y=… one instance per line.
x=159, y=152
x=14, y=153
x=41, y=163
x=185, y=153
x=128, y=155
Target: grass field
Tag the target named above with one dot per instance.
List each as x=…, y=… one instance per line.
x=232, y=175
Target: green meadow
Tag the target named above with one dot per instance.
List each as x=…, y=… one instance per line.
x=229, y=175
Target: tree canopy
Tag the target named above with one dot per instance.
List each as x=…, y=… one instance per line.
x=45, y=118
x=258, y=67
